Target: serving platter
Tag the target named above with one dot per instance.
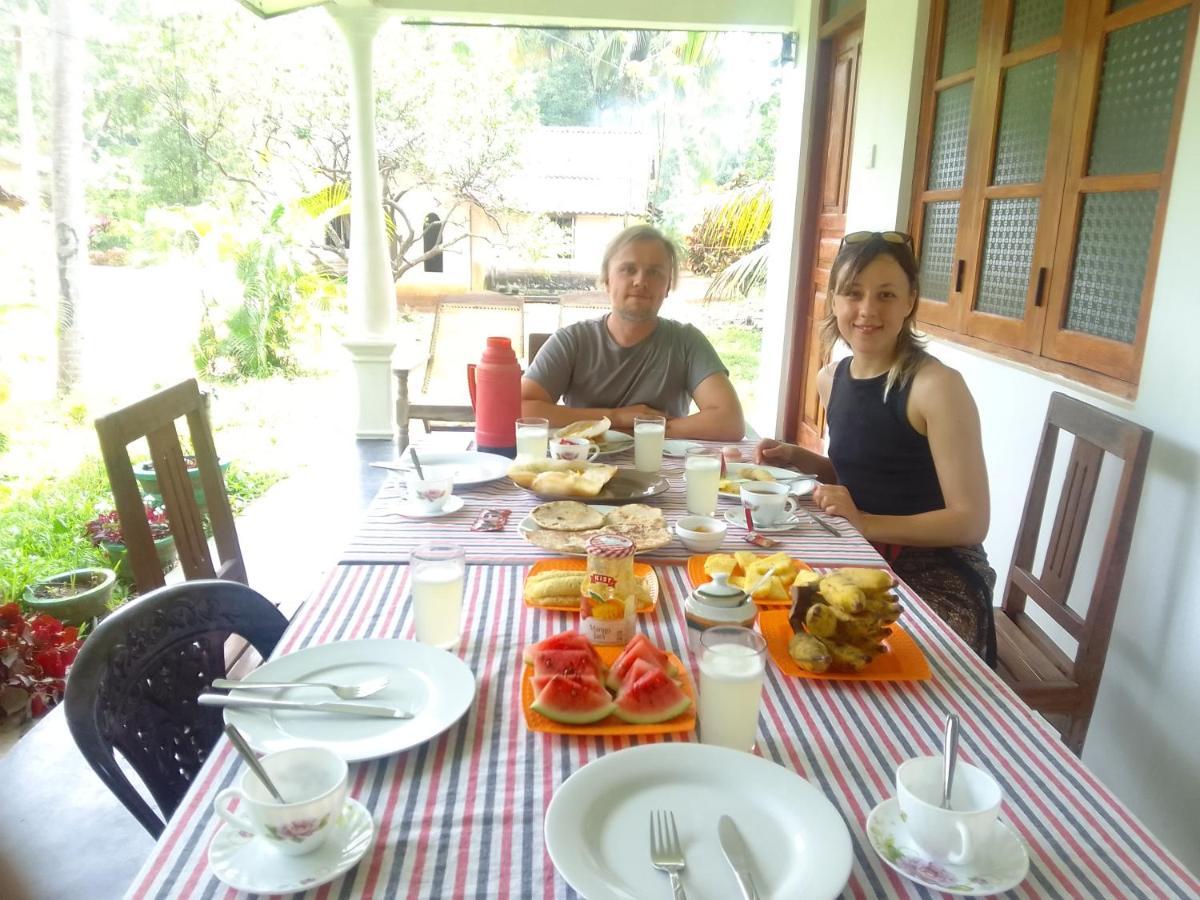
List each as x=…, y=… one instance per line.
x=627, y=486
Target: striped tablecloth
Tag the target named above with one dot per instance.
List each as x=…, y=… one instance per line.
x=386, y=536
x=462, y=815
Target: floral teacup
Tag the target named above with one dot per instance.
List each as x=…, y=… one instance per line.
x=573, y=448
x=313, y=782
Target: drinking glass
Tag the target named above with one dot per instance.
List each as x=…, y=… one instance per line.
x=533, y=437
x=702, y=472
x=649, y=432
x=437, y=572
x=732, y=669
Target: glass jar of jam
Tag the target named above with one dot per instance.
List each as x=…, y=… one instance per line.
x=608, y=606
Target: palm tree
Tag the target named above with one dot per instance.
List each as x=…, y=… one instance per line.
x=67, y=145
x=734, y=239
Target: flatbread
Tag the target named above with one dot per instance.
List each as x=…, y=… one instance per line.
x=636, y=513
x=592, y=429
x=561, y=541
x=567, y=515
x=645, y=535
x=562, y=477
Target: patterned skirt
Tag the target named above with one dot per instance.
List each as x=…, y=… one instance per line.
x=957, y=584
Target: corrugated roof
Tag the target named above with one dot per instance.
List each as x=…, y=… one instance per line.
x=599, y=171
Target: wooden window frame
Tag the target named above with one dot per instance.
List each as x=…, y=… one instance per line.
x=1038, y=338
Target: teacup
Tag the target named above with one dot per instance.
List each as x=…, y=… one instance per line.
x=573, y=448
x=430, y=495
x=313, y=782
x=768, y=501
x=960, y=833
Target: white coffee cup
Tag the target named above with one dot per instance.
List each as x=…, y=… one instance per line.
x=573, y=448
x=430, y=495
x=768, y=501
x=958, y=834
x=313, y=782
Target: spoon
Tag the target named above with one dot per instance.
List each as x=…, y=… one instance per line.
x=416, y=463
x=949, y=752
x=256, y=767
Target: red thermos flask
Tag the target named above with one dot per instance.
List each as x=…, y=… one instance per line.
x=495, y=386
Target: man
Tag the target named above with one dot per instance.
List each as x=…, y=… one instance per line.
x=632, y=363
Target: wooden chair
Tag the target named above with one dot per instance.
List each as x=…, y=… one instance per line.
x=578, y=307
x=154, y=418
x=133, y=688
x=1062, y=687
x=461, y=327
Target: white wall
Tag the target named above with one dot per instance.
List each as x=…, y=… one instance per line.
x=1144, y=741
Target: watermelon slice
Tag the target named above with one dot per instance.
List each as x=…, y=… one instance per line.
x=584, y=678
x=652, y=698
x=566, y=640
x=573, y=701
x=566, y=662
x=638, y=649
x=639, y=668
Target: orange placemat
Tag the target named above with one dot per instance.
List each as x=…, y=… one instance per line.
x=904, y=660
x=684, y=722
x=640, y=570
x=698, y=577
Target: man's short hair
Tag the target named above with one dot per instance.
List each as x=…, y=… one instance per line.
x=633, y=234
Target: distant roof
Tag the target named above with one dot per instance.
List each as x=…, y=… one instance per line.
x=601, y=171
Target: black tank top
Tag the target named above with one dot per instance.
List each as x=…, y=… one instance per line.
x=882, y=460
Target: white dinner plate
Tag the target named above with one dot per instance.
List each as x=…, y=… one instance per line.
x=528, y=525
x=598, y=824
x=735, y=470
x=467, y=467
x=801, y=488
x=436, y=686
x=614, y=442
x=677, y=448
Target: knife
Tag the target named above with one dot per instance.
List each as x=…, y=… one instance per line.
x=348, y=709
x=737, y=856
x=820, y=521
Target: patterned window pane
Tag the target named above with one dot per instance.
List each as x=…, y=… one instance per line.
x=951, y=122
x=938, y=234
x=835, y=7
x=962, y=34
x=1007, y=256
x=1137, y=95
x=1035, y=20
x=1122, y=4
x=1110, y=264
x=1025, y=121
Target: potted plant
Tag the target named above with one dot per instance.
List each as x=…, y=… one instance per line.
x=35, y=652
x=73, y=597
x=105, y=533
x=148, y=480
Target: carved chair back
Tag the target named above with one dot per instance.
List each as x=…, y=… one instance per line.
x=134, y=686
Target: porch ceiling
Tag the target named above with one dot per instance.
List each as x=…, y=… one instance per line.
x=731, y=15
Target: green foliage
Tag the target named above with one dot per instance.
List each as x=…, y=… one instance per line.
x=257, y=337
x=564, y=92
x=730, y=230
x=739, y=348
x=42, y=530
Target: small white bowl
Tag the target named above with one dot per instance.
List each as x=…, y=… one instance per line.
x=700, y=534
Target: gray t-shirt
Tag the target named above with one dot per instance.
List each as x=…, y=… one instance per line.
x=586, y=367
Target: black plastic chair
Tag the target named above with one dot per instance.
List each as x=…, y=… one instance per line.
x=134, y=686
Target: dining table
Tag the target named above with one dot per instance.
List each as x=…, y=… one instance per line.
x=463, y=814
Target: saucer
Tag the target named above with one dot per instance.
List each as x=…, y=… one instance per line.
x=246, y=863
x=1005, y=867
x=411, y=510
x=738, y=517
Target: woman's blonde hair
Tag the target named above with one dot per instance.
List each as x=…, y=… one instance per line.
x=910, y=345
x=632, y=235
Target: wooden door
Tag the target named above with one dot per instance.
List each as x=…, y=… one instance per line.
x=830, y=185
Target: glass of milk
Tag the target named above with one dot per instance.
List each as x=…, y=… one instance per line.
x=533, y=437
x=437, y=571
x=732, y=669
x=649, y=432
x=702, y=472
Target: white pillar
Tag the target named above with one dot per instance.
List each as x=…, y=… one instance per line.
x=372, y=292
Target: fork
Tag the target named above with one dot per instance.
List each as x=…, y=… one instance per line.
x=344, y=691
x=665, y=853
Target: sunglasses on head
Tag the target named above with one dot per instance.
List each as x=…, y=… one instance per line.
x=861, y=237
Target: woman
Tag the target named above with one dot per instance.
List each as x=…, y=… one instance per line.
x=905, y=463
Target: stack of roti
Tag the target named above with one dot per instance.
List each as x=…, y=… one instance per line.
x=561, y=477
x=592, y=429
x=566, y=526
